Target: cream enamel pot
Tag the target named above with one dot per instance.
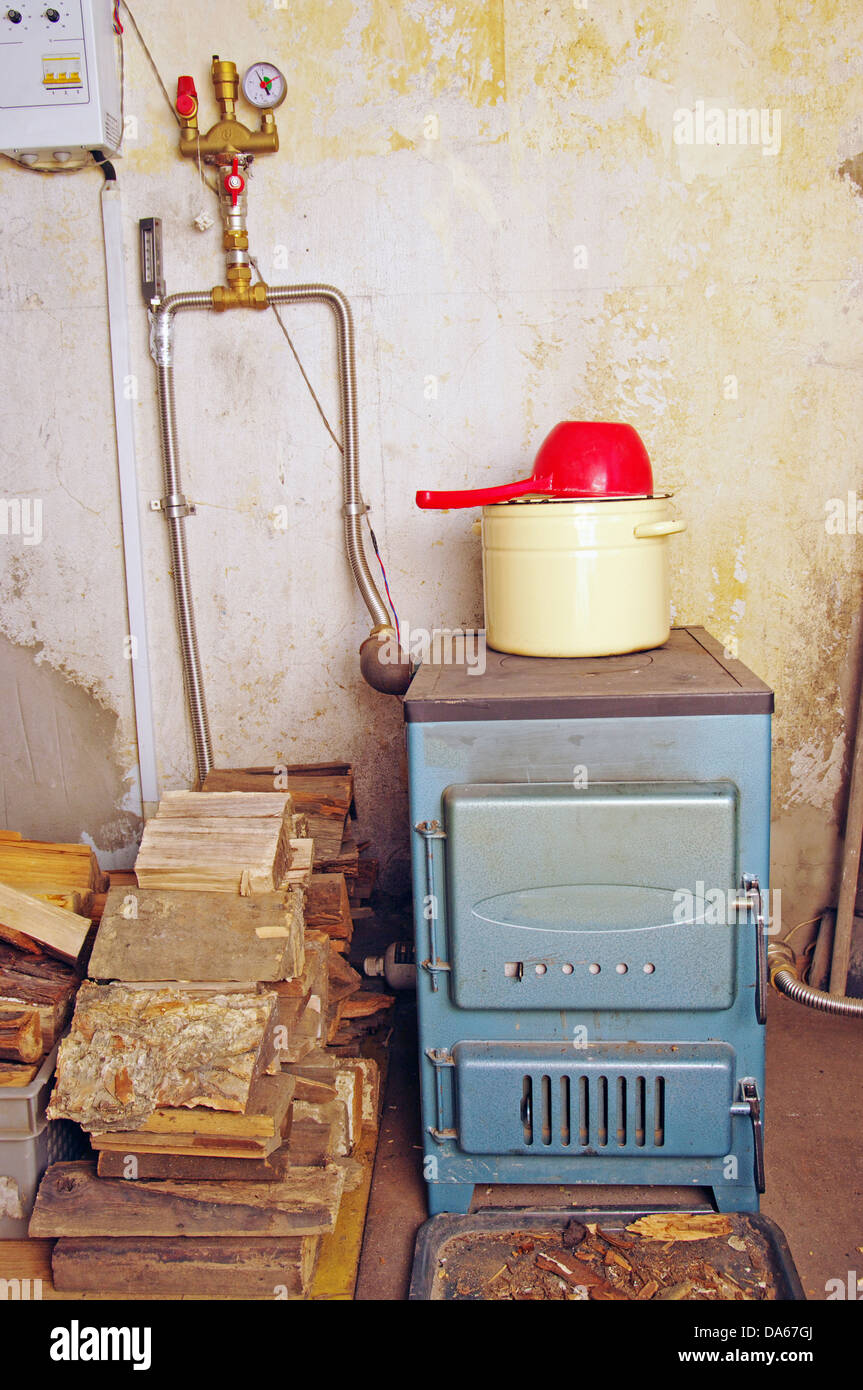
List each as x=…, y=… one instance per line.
x=577, y=578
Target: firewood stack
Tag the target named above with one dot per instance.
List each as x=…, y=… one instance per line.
x=47, y=897
x=197, y=1063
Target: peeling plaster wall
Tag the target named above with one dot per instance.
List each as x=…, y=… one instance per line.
x=498, y=189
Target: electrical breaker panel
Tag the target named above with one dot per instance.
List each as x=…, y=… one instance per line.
x=60, y=92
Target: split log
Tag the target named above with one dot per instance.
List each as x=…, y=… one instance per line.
x=20, y=1036
x=215, y=854
x=328, y=906
x=24, y=920
x=17, y=1073
x=149, y=934
x=130, y=1051
x=37, y=866
x=73, y=1201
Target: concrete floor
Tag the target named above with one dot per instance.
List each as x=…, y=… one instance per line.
x=814, y=1137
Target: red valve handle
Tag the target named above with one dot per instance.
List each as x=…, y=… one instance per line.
x=187, y=97
x=234, y=182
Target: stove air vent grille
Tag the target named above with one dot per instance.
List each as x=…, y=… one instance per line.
x=619, y=1111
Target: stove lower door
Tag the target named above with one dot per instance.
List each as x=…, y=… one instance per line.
x=647, y=1100
x=617, y=896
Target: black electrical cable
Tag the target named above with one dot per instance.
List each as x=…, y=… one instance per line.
x=105, y=165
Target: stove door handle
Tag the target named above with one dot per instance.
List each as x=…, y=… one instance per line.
x=752, y=889
x=750, y=1104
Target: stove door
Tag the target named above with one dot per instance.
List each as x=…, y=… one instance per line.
x=618, y=896
x=650, y=1099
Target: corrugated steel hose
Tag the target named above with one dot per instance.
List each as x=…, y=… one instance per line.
x=784, y=976
x=383, y=665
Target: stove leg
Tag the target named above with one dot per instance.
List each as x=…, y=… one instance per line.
x=449, y=1196
x=736, y=1197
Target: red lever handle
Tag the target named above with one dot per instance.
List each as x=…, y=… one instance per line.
x=234, y=182
x=187, y=97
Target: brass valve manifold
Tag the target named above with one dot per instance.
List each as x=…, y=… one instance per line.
x=229, y=140
x=228, y=136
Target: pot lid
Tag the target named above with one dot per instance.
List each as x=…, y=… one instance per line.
x=579, y=458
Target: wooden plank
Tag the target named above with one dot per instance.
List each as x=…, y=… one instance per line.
x=73, y=1201
x=151, y=1165
x=227, y=1267
x=203, y=1145
x=20, y=1035
x=339, y=1257
x=24, y=919
x=215, y=854
x=149, y=934
x=131, y=1050
x=264, y=1117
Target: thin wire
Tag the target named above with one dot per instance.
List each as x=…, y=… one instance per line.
x=386, y=581
x=812, y=920
x=331, y=433
x=151, y=60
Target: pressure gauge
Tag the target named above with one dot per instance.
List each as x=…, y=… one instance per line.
x=264, y=86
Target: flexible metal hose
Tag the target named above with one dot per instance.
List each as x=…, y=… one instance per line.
x=784, y=977
x=176, y=508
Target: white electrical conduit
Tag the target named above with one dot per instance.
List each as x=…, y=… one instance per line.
x=176, y=507
x=139, y=655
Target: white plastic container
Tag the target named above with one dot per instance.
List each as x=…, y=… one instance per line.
x=583, y=578
x=22, y=1108
x=23, y=1160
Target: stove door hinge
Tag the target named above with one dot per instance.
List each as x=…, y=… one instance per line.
x=431, y=830
x=753, y=902
x=440, y=1057
x=750, y=1104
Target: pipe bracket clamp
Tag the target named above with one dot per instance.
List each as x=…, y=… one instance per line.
x=354, y=509
x=175, y=507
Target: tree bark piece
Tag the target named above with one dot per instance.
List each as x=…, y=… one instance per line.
x=73, y=1201
x=131, y=1050
x=24, y=919
x=214, y=1267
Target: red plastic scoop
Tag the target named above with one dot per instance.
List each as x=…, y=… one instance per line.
x=578, y=459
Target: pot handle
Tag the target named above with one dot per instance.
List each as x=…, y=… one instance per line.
x=649, y=529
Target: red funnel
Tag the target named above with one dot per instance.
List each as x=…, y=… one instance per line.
x=579, y=458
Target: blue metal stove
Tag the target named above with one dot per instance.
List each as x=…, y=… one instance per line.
x=590, y=851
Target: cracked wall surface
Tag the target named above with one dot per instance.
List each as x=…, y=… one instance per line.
x=499, y=190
